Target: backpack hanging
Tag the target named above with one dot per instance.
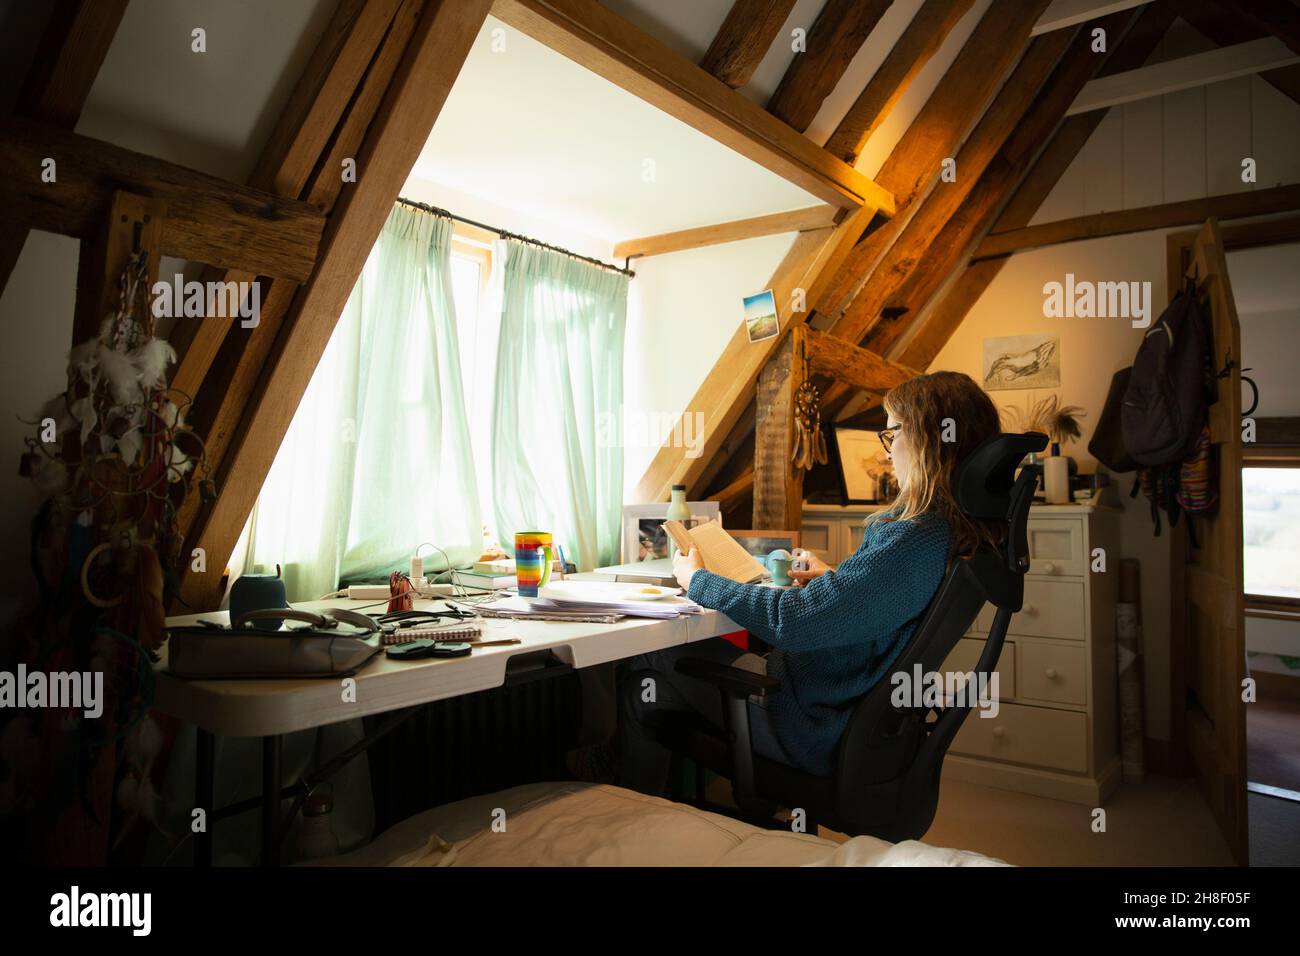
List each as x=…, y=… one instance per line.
x=1166, y=399
x=1107, y=442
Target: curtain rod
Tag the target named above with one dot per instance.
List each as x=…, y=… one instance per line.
x=504, y=234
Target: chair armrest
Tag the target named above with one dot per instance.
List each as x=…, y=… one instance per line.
x=733, y=681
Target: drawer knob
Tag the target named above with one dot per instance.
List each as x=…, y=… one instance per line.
x=1029, y=610
x=1049, y=568
x=1051, y=673
x=999, y=732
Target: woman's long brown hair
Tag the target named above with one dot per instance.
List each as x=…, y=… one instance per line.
x=945, y=417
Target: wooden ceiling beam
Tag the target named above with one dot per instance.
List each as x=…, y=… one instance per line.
x=970, y=81
x=914, y=164
x=69, y=57
x=913, y=250
x=919, y=42
x=208, y=220
x=392, y=143
x=233, y=381
x=728, y=388
x=1070, y=13
x=1222, y=28
x=1281, y=18
x=1185, y=73
x=608, y=45
x=950, y=249
x=1260, y=202
x=938, y=321
x=321, y=94
x=856, y=367
x=796, y=220
x=836, y=35
x=744, y=39
x=320, y=101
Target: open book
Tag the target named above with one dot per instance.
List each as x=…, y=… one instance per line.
x=720, y=552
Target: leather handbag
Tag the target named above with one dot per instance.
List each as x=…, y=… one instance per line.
x=334, y=644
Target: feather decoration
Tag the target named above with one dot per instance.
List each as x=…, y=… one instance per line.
x=1060, y=423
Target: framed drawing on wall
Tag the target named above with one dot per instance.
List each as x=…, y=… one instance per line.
x=644, y=538
x=1022, y=361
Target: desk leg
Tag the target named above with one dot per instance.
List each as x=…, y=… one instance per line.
x=204, y=795
x=271, y=801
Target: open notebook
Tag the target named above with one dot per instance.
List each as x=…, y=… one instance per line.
x=720, y=552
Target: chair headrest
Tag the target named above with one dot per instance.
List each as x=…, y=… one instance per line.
x=986, y=476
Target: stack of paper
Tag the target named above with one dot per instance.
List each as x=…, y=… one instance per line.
x=635, y=600
x=597, y=598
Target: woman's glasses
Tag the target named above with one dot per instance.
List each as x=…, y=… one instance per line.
x=887, y=437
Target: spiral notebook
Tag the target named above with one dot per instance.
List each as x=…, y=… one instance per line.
x=435, y=632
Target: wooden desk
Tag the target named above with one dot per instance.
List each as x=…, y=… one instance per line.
x=271, y=708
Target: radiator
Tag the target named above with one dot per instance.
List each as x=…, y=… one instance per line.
x=476, y=744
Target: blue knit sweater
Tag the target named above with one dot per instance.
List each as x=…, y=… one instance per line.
x=835, y=637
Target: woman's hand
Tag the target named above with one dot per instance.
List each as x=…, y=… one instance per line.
x=816, y=568
x=685, y=565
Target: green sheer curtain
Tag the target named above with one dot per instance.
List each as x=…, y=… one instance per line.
x=559, y=373
x=377, y=459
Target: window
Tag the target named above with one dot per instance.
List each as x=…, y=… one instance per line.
x=1270, y=505
x=477, y=321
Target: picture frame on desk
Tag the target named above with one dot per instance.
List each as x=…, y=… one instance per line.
x=643, y=537
x=861, y=461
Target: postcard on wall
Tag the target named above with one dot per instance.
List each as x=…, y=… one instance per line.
x=760, y=316
x=1022, y=361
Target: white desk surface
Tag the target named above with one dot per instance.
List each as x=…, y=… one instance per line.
x=256, y=708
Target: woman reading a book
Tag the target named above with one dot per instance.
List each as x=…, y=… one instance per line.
x=835, y=635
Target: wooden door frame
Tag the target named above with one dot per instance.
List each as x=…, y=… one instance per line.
x=1178, y=246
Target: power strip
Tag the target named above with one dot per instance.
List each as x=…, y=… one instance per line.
x=378, y=592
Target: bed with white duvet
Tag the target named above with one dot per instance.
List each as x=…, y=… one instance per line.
x=585, y=824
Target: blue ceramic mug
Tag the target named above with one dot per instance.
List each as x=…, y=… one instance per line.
x=778, y=562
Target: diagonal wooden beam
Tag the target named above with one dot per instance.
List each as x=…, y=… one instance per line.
x=1189, y=212
x=913, y=166
x=69, y=57
x=797, y=220
x=919, y=42
x=981, y=209
x=1219, y=26
x=913, y=248
x=608, y=45
x=296, y=148
x=728, y=388
x=837, y=34
x=208, y=219
x=744, y=38
x=232, y=382
x=392, y=143
x=1281, y=18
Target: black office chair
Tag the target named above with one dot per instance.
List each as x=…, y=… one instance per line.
x=886, y=779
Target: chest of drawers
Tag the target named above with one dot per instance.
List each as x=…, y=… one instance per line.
x=1055, y=732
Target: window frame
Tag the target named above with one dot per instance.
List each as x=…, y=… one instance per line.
x=1270, y=456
